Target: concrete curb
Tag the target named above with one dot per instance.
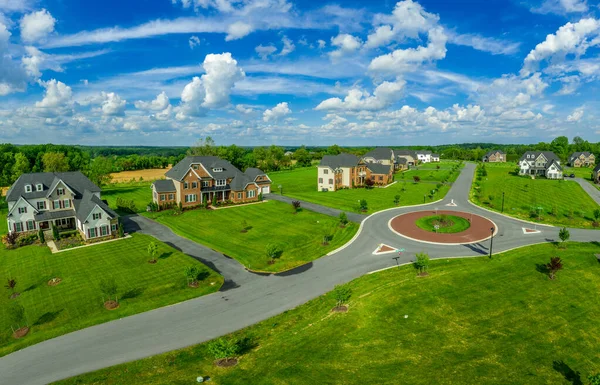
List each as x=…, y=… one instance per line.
x=508, y=216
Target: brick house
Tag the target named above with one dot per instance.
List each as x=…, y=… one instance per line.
x=196, y=180
x=65, y=200
x=541, y=163
x=348, y=171
x=495, y=156
x=582, y=159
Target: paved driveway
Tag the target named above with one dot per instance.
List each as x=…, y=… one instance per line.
x=590, y=189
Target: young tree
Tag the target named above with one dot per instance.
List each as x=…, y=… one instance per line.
x=416, y=179
x=224, y=348
x=422, y=262
x=16, y=314
x=343, y=219
x=244, y=226
x=109, y=288
x=369, y=183
x=11, y=284
x=192, y=273
x=11, y=238
x=121, y=230
x=273, y=251
x=597, y=215
x=397, y=199
x=341, y=294
x=55, y=233
x=363, y=205
x=214, y=200
x=554, y=266
x=564, y=235
x=326, y=238
x=296, y=205
x=152, y=251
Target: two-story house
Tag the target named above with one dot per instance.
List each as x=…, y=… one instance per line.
x=582, y=159
x=381, y=155
x=199, y=179
x=65, y=200
x=596, y=173
x=348, y=171
x=494, y=156
x=435, y=157
x=406, y=158
x=541, y=163
x=424, y=156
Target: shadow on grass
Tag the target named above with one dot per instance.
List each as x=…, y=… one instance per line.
x=165, y=255
x=31, y=287
x=542, y=268
x=569, y=374
x=133, y=293
x=47, y=317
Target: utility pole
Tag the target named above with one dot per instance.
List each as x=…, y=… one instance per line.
x=491, y=242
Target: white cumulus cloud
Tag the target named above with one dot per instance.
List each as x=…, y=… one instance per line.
x=358, y=100
x=113, y=105
x=277, y=112
x=36, y=26
x=238, y=30
x=158, y=104
x=576, y=115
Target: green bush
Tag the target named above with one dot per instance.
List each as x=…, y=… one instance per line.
x=126, y=205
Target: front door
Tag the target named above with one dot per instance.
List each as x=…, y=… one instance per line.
x=44, y=225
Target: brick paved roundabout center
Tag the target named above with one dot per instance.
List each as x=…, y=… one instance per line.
x=480, y=229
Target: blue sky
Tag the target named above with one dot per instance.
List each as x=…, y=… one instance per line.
x=254, y=72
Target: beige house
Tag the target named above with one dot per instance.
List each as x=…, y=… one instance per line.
x=596, y=173
x=349, y=171
x=496, y=156
x=582, y=159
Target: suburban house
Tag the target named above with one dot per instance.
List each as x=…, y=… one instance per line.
x=410, y=158
x=424, y=156
x=596, y=173
x=541, y=163
x=199, y=179
x=381, y=155
x=348, y=171
x=494, y=156
x=582, y=159
x=65, y=200
x=435, y=157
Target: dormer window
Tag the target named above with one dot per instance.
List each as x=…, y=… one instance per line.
x=39, y=187
x=218, y=169
x=27, y=188
x=195, y=167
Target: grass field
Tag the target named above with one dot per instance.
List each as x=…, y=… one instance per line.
x=302, y=184
x=472, y=321
x=457, y=225
x=140, y=192
x=562, y=203
x=148, y=175
x=430, y=172
x=581, y=172
x=300, y=235
x=76, y=302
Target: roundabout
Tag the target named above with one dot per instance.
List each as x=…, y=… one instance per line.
x=443, y=227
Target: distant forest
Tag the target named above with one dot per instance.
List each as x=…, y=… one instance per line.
x=98, y=162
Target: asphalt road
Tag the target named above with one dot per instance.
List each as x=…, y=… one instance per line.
x=590, y=189
x=250, y=298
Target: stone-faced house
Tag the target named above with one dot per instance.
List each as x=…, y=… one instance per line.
x=65, y=200
x=410, y=157
x=596, y=173
x=541, y=163
x=348, y=171
x=582, y=159
x=199, y=179
x=494, y=156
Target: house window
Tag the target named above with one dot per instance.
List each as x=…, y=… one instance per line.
x=113, y=227
x=185, y=185
x=205, y=183
x=27, y=188
x=171, y=197
x=56, y=204
x=96, y=216
x=320, y=180
x=195, y=167
x=162, y=197
x=381, y=177
x=194, y=185
x=239, y=195
x=191, y=198
x=104, y=230
x=220, y=169
x=251, y=193
x=92, y=232
x=325, y=171
x=39, y=187
x=18, y=227
x=330, y=181
x=66, y=203
x=22, y=210
x=30, y=225
x=221, y=182
x=41, y=205
x=60, y=191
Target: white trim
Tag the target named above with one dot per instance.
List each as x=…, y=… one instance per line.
x=17, y=202
x=64, y=184
x=104, y=211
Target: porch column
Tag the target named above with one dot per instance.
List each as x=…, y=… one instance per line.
x=223, y=196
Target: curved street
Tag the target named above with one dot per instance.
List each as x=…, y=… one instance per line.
x=247, y=298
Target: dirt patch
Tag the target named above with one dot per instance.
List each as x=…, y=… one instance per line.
x=152, y=261
x=149, y=174
x=340, y=309
x=54, y=281
x=271, y=262
x=194, y=285
x=226, y=362
x=20, y=333
x=14, y=295
x=111, y=305
x=423, y=274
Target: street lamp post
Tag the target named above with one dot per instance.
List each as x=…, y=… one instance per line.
x=491, y=242
x=502, y=201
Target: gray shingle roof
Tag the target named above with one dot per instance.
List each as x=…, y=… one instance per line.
x=597, y=168
x=240, y=181
x=377, y=168
x=164, y=186
x=402, y=160
x=52, y=215
x=490, y=153
x=75, y=180
x=86, y=204
x=380, y=153
x=547, y=154
x=423, y=152
x=340, y=160
x=253, y=172
x=435, y=155
x=406, y=153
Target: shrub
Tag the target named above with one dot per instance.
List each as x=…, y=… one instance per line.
x=224, y=348
x=11, y=238
x=55, y=233
x=128, y=205
x=108, y=287
x=121, y=230
x=491, y=198
x=422, y=262
x=564, y=234
x=214, y=200
x=192, y=274
x=16, y=315
x=343, y=219
x=41, y=236
x=28, y=239
x=397, y=200
x=273, y=251
x=369, y=183
x=416, y=179
x=554, y=266
x=363, y=205
x=260, y=197
x=296, y=205
x=341, y=294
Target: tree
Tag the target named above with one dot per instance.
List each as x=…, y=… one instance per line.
x=152, y=251
x=41, y=236
x=100, y=169
x=416, y=179
x=296, y=205
x=273, y=251
x=334, y=150
x=343, y=219
x=121, y=230
x=21, y=165
x=55, y=233
x=369, y=183
x=224, y=348
x=55, y=162
x=594, y=379
x=564, y=234
x=244, y=226
x=203, y=147
x=422, y=262
x=302, y=157
x=11, y=284
x=16, y=314
x=363, y=205
x=214, y=199
x=109, y=288
x=554, y=266
x=192, y=273
x=597, y=215
x=397, y=199
x=342, y=295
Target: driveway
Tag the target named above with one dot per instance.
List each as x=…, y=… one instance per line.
x=357, y=218
x=590, y=189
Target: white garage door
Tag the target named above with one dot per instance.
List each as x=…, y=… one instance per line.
x=266, y=190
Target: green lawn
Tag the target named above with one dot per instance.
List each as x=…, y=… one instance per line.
x=302, y=184
x=139, y=192
x=300, y=235
x=472, y=321
x=430, y=172
x=76, y=302
x=454, y=224
x=562, y=203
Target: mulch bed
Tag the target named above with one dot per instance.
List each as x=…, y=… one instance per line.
x=340, y=309
x=20, y=333
x=54, y=281
x=194, y=285
x=226, y=362
x=152, y=261
x=111, y=305
x=14, y=295
x=385, y=248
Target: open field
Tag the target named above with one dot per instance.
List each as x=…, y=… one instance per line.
x=300, y=235
x=139, y=192
x=302, y=184
x=77, y=301
x=472, y=321
x=557, y=202
x=149, y=174
x=430, y=172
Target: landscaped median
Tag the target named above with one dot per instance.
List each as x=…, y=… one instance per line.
x=246, y=232
x=470, y=321
x=554, y=202
x=64, y=292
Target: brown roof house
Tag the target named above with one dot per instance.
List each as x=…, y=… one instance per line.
x=197, y=180
x=341, y=171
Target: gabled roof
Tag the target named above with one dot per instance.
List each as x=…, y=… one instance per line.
x=340, y=160
x=435, y=155
x=377, y=168
x=401, y=153
x=555, y=162
x=547, y=154
x=597, y=168
x=87, y=203
x=240, y=181
x=380, y=153
x=578, y=154
x=490, y=153
x=423, y=152
x=402, y=160
x=164, y=186
x=75, y=180
x=179, y=171
x=254, y=172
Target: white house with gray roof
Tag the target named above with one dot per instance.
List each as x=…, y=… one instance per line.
x=541, y=163
x=65, y=200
